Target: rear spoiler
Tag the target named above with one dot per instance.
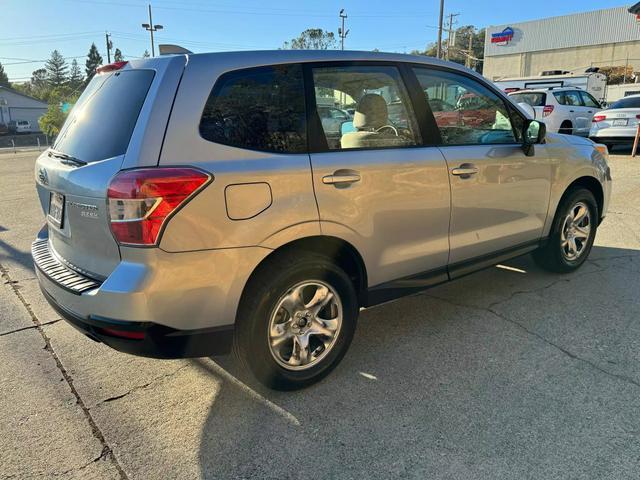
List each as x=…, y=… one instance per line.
x=168, y=49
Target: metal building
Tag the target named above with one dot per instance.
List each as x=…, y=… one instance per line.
x=17, y=106
x=601, y=38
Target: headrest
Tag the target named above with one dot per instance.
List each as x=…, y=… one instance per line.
x=371, y=112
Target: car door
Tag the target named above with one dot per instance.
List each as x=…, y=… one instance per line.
x=591, y=107
x=499, y=196
x=580, y=117
x=377, y=186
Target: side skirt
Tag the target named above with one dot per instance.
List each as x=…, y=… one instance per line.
x=413, y=284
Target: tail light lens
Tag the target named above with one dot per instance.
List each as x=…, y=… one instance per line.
x=547, y=110
x=141, y=201
x=599, y=118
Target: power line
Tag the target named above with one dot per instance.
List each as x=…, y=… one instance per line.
x=269, y=12
x=39, y=61
x=50, y=35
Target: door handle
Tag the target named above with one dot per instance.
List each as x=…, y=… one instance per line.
x=465, y=170
x=341, y=178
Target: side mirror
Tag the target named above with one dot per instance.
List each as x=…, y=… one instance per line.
x=347, y=127
x=529, y=110
x=533, y=132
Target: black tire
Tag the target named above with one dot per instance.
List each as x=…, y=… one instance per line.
x=566, y=128
x=261, y=297
x=553, y=256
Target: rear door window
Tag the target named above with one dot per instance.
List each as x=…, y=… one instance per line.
x=383, y=115
x=102, y=121
x=259, y=109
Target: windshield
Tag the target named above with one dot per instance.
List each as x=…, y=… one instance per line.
x=535, y=99
x=629, y=102
x=101, y=123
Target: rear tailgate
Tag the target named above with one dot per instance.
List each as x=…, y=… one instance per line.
x=118, y=122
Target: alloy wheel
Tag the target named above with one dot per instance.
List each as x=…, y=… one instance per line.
x=305, y=325
x=576, y=231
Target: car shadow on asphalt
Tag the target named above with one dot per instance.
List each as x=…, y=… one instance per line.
x=9, y=253
x=487, y=371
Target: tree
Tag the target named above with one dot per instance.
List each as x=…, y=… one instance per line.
x=4, y=79
x=146, y=54
x=312, y=39
x=117, y=56
x=57, y=69
x=75, y=76
x=51, y=122
x=459, y=50
x=94, y=60
x=60, y=101
x=39, y=83
x=618, y=74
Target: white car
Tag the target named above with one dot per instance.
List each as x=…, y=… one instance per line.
x=563, y=110
x=617, y=124
x=19, y=126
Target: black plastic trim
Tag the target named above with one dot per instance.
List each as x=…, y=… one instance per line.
x=413, y=284
x=159, y=341
x=467, y=267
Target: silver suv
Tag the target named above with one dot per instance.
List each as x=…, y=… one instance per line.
x=194, y=203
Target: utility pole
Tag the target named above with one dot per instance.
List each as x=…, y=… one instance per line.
x=341, y=31
x=150, y=27
x=467, y=62
x=107, y=37
x=450, y=38
x=439, y=54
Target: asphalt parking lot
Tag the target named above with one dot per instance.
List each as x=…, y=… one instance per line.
x=506, y=374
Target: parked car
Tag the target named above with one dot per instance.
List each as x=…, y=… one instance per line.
x=563, y=110
x=617, y=125
x=4, y=130
x=209, y=212
x=19, y=126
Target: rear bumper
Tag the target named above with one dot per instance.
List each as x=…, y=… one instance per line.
x=157, y=341
x=173, y=305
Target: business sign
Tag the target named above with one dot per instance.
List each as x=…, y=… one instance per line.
x=502, y=38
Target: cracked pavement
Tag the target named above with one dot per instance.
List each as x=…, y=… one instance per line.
x=507, y=373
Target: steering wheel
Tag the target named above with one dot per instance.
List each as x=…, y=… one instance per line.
x=388, y=127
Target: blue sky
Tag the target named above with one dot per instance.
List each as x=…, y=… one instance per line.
x=32, y=28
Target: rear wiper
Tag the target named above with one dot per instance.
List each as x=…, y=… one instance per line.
x=66, y=158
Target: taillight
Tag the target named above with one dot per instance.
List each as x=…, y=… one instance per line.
x=547, y=110
x=141, y=201
x=599, y=118
x=111, y=67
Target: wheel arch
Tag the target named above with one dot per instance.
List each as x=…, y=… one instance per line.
x=593, y=185
x=341, y=252
x=565, y=124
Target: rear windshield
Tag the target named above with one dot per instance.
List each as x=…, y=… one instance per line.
x=630, y=102
x=102, y=121
x=537, y=99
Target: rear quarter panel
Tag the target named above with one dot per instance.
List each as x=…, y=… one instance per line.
x=204, y=223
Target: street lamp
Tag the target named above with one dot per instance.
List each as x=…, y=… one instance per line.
x=150, y=27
